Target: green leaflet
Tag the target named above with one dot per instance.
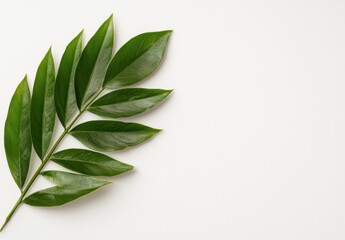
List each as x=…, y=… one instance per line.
x=137, y=59
x=128, y=102
x=18, y=143
x=68, y=187
x=112, y=135
x=90, y=163
x=65, y=99
x=42, y=105
x=93, y=62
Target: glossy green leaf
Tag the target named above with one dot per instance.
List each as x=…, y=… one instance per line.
x=43, y=106
x=18, y=143
x=112, y=135
x=69, y=187
x=91, y=69
x=90, y=163
x=65, y=99
x=128, y=102
x=137, y=59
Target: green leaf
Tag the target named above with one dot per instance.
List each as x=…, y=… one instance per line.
x=69, y=187
x=91, y=69
x=18, y=143
x=128, y=102
x=112, y=135
x=65, y=99
x=137, y=59
x=42, y=105
x=90, y=163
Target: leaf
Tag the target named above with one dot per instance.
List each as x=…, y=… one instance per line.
x=93, y=62
x=65, y=99
x=69, y=187
x=128, y=102
x=42, y=105
x=90, y=163
x=112, y=135
x=18, y=143
x=137, y=59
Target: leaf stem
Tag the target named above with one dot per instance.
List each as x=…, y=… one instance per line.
x=47, y=158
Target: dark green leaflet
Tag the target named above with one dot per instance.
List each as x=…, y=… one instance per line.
x=137, y=59
x=112, y=135
x=43, y=106
x=90, y=163
x=93, y=63
x=128, y=102
x=65, y=99
x=68, y=187
x=18, y=143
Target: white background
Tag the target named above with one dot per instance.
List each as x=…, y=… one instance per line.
x=254, y=140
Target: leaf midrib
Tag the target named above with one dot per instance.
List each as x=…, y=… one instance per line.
x=20, y=140
x=90, y=131
x=126, y=101
x=46, y=86
x=79, y=160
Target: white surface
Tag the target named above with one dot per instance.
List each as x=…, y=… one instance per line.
x=254, y=138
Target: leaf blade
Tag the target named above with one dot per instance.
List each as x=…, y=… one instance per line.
x=65, y=99
x=93, y=62
x=90, y=163
x=137, y=59
x=43, y=105
x=128, y=102
x=112, y=135
x=69, y=187
x=18, y=144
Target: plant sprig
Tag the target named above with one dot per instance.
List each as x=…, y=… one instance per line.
x=82, y=77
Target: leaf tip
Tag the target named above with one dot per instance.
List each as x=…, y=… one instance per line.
x=110, y=18
x=49, y=53
x=168, y=32
x=157, y=130
x=129, y=167
x=105, y=183
x=25, y=79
